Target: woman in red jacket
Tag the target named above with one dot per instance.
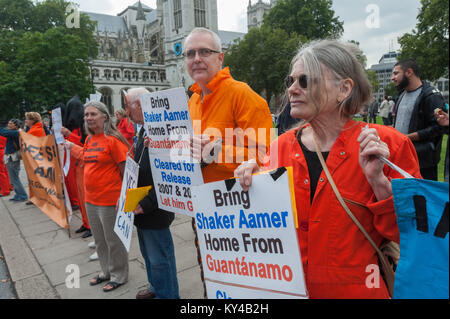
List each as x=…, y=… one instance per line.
x=125, y=127
x=33, y=122
x=326, y=87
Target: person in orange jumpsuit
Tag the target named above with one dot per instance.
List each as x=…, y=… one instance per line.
x=33, y=123
x=220, y=108
x=125, y=127
x=326, y=87
x=4, y=178
x=73, y=131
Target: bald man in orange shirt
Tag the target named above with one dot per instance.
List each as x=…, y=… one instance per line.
x=225, y=112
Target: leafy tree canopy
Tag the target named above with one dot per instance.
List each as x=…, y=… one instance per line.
x=428, y=43
x=42, y=61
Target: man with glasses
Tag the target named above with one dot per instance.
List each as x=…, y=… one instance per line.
x=219, y=106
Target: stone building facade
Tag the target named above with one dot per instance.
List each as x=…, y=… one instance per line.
x=142, y=46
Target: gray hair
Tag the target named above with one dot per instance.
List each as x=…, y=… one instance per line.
x=215, y=37
x=134, y=94
x=109, y=128
x=340, y=59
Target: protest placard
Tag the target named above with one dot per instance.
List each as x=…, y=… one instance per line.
x=422, y=213
x=45, y=179
x=57, y=125
x=125, y=220
x=168, y=126
x=248, y=241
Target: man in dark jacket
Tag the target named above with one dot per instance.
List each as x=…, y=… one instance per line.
x=152, y=223
x=415, y=115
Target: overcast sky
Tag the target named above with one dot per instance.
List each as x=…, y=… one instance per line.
x=375, y=24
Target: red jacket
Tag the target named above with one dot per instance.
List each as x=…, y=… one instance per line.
x=126, y=128
x=334, y=252
x=37, y=130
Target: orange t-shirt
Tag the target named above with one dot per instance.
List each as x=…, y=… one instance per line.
x=102, y=181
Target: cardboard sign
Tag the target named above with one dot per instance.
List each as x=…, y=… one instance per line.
x=248, y=241
x=40, y=158
x=423, y=221
x=168, y=127
x=125, y=220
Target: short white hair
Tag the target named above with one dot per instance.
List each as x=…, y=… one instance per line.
x=134, y=94
x=216, y=39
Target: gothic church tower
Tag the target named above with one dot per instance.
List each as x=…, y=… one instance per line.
x=179, y=18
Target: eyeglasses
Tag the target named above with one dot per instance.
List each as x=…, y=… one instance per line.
x=203, y=52
x=302, y=81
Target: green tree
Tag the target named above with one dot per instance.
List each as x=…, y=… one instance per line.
x=428, y=44
x=262, y=59
x=42, y=60
x=53, y=65
x=373, y=79
x=391, y=90
x=312, y=19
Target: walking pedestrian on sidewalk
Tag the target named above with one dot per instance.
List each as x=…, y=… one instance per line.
x=104, y=155
x=12, y=158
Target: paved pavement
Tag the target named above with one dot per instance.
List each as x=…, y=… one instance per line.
x=41, y=257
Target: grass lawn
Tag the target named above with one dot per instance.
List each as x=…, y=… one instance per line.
x=444, y=148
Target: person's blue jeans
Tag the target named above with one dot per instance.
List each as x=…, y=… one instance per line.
x=159, y=254
x=13, y=172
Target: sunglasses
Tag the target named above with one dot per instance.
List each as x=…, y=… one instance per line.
x=203, y=52
x=302, y=81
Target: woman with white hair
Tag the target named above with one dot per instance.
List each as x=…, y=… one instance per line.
x=104, y=155
x=326, y=87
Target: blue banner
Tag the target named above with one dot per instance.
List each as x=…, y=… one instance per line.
x=422, y=217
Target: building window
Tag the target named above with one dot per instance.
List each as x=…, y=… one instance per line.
x=178, y=18
x=135, y=75
x=153, y=76
x=200, y=13
x=145, y=76
x=107, y=74
x=440, y=86
x=116, y=75
x=128, y=75
x=446, y=86
x=107, y=98
x=163, y=76
x=95, y=73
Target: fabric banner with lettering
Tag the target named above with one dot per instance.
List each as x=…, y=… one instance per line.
x=422, y=217
x=41, y=163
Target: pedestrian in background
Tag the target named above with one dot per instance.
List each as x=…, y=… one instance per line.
x=4, y=178
x=12, y=158
x=125, y=127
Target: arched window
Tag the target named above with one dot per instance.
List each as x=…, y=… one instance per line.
x=122, y=96
x=128, y=75
x=116, y=75
x=163, y=76
x=107, y=74
x=95, y=73
x=107, y=98
x=153, y=76
x=135, y=75
x=145, y=76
